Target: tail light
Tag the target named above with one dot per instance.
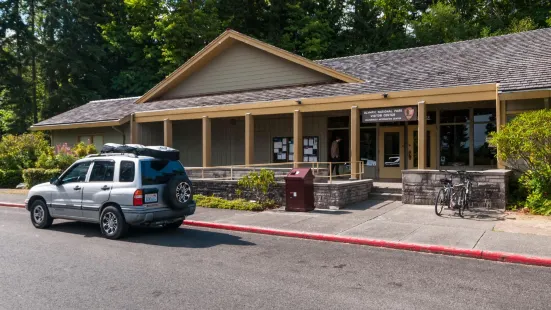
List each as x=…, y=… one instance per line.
x=138, y=198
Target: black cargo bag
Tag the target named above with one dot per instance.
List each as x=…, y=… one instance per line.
x=160, y=152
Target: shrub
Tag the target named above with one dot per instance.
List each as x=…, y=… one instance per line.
x=258, y=183
x=221, y=203
x=523, y=145
x=22, y=152
x=10, y=178
x=34, y=176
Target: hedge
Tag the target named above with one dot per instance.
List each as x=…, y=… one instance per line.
x=221, y=203
x=34, y=176
x=10, y=178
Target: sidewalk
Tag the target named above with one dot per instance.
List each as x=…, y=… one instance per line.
x=486, y=230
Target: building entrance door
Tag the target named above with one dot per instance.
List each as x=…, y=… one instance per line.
x=391, y=152
x=413, y=150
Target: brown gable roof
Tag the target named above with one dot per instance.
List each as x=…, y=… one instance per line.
x=519, y=61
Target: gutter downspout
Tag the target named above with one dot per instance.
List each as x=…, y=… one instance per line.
x=122, y=133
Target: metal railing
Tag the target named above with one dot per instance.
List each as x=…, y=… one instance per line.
x=317, y=167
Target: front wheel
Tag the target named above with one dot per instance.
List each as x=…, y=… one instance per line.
x=440, y=202
x=112, y=223
x=461, y=201
x=40, y=217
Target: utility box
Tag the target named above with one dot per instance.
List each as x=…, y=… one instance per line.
x=299, y=190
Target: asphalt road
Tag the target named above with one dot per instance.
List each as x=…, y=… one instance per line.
x=70, y=266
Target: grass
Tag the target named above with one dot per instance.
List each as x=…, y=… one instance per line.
x=221, y=203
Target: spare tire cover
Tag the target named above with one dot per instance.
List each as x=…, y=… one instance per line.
x=178, y=192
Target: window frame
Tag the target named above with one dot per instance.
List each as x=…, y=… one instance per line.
x=133, y=175
x=94, y=165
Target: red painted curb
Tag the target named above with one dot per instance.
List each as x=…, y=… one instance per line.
x=12, y=205
x=435, y=249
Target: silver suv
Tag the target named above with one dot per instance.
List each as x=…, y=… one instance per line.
x=115, y=190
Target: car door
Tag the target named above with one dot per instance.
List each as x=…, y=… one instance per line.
x=67, y=198
x=97, y=189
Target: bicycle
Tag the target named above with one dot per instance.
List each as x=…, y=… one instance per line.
x=451, y=196
x=467, y=179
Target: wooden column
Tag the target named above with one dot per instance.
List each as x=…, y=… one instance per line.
x=499, y=122
x=167, y=124
x=207, y=142
x=546, y=102
x=134, y=130
x=297, y=137
x=422, y=135
x=249, y=139
x=355, y=142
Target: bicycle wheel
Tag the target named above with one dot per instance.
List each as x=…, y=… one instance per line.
x=440, y=201
x=461, y=201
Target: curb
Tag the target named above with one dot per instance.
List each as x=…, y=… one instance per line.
x=434, y=249
x=12, y=205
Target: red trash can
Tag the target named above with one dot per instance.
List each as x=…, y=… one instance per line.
x=299, y=190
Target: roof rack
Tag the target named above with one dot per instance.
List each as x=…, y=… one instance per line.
x=112, y=154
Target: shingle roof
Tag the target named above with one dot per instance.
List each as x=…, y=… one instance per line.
x=517, y=61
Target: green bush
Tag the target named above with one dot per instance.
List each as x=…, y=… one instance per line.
x=22, y=152
x=524, y=146
x=258, y=184
x=221, y=203
x=34, y=176
x=10, y=178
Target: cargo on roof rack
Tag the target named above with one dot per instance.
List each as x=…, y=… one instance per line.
x=160, y=152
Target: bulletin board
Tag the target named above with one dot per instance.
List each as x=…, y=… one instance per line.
x=283, y=149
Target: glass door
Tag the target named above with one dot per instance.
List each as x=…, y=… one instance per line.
x=391, y=152
x=413, y=149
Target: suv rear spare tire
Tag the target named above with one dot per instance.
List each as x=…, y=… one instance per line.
x=178, y=192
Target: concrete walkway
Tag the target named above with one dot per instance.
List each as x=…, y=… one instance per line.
x=487, y=230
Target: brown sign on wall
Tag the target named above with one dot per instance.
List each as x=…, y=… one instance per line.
x=395, y=114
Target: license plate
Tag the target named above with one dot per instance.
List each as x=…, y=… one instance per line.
x=150, y=198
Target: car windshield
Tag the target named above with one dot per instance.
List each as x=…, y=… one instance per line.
x=160, y=171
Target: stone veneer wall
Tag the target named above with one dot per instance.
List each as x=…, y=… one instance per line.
x=326, y=196
x=421, y=186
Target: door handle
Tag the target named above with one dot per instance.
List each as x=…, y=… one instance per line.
x=105, y=187
x=77, y=188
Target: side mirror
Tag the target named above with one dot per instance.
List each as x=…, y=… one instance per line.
x=54, y=181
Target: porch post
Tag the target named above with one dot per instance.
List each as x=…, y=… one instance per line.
x=297, y=138
x=206, y=141
x=249, y=139
x=134, y=130
x=421, y=135
x=355, y=142
x=546, y=102
x=499, y=121
x=167, y=124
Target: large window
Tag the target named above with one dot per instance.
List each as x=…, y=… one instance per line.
x=454, y=137
x=484, y=124
x=368, y=146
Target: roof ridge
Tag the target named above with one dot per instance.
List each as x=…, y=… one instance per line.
x=433, y=45
x=114, y=99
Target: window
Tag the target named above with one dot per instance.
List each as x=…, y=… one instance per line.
x=102, y=171
x=454, y=116
x=76, y=173
x=368, y=146
x=160, y=171
x=127, y=171
x=96, y=140
x=484, y=124
x=454, y=145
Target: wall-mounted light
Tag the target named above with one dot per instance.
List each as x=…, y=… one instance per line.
x=299, y=102
x=385, y=95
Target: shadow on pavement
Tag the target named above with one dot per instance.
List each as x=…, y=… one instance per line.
x=476, y=214
x=184, y=237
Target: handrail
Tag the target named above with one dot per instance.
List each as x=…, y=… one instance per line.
x=315, y=166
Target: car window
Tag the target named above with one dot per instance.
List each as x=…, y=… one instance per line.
x=127, y=171
x=76, y=173
x=160, y=171
x=102, y=171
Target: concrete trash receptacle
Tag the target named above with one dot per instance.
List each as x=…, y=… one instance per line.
x=299, y=190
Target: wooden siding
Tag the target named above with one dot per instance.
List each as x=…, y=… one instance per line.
x=243, y=67
x=70, y=136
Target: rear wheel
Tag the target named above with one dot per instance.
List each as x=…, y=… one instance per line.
x=112, y=223
x=440, y=202
x=40, y=217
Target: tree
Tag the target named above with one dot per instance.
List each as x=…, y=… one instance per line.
x=442, y=23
